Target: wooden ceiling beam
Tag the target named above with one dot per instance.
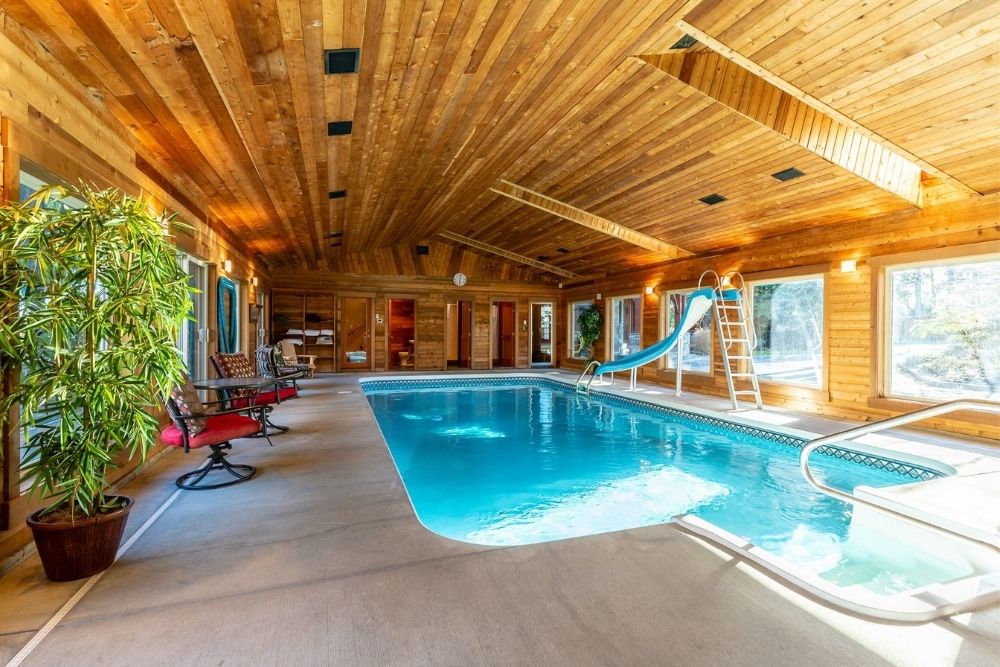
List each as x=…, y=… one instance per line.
x=586, y=219
x=818, y=105
x=507, y=254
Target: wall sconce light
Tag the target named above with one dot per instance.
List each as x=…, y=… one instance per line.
x=524, y=326
x=378, y=318
x=598, y=298
x=227, y=265
x=848, y=265
x=253, y=281
x=649, y=289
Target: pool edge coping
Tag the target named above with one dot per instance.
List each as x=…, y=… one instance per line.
x=914, y=605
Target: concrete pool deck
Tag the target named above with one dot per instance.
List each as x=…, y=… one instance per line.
x=320, y=560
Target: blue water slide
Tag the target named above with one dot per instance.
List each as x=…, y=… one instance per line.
x=698, y=303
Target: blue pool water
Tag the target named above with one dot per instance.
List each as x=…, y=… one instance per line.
x=509, y=464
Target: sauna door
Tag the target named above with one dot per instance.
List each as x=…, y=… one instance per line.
x=503, y=331
x=355, y=337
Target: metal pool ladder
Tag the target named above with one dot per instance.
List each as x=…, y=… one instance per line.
x=974, y=404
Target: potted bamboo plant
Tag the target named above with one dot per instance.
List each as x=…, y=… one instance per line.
x=92, y=300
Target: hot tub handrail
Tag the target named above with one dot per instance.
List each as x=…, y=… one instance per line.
x=973, y=404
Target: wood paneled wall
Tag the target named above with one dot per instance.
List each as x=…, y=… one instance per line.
x=850, y=309
x=46, y=121
x=431, y=296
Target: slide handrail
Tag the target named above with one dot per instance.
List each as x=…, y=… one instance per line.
x=973, y=404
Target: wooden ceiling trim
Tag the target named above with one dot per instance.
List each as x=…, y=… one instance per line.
x=586, y=219
x=816, y=103
x=764, y=103
x=507, y=254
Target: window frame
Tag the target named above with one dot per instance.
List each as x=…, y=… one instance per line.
x=609, y=328
x=663, y=363
x=571, y=328
x=882, y=306
x=806, y=273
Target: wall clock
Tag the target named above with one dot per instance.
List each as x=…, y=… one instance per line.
x=459, y=279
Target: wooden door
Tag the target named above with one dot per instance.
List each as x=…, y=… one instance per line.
x=355, y=337
x=504, y=335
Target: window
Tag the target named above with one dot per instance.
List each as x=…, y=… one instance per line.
x=788, y=321
x=696, y=344
x=576, y=309
x=943, y=330
x=626, y=320
x=33, y=178
x=193, y=341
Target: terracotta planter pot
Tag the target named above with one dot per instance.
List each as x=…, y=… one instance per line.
x=76, y=550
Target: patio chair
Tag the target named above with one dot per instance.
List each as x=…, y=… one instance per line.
x=196, y=425
x=271, y=364
x=292, y=359
x=237, y=365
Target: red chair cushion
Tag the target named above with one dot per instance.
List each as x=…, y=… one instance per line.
x=218, y=429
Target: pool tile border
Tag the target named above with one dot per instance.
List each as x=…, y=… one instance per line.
x=911, y=470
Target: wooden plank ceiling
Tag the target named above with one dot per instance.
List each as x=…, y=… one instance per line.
x=229, y=101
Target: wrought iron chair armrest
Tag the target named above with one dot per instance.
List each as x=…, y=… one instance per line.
x=218, y=412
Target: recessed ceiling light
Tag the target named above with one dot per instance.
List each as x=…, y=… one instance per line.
x=562, y=250
x=685, y=42
x=423, y=250
x=712, y=199
x=542, y=258
x=788, y=174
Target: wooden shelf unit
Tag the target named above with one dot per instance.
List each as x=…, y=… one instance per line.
x=306, y=310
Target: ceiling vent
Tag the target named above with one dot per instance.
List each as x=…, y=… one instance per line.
x=423, y=250
x=685, y=42
x=342, y=61
x=338, y=127
x=788, y=174
x=542, y=258
x=333, y=235
x=338, y=194
x=562, y=250
x=712, y=199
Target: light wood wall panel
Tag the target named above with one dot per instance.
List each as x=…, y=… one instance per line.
x=850, y=303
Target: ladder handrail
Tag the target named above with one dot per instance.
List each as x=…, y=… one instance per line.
x=974, y=404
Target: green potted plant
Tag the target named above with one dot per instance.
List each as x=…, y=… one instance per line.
x=590, y=323
x=93, y=298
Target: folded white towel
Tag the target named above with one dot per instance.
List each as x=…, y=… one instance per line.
x=324, y=340
x=326, y=332
x=294, y=341
x=311, y=332
x=294, y=331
